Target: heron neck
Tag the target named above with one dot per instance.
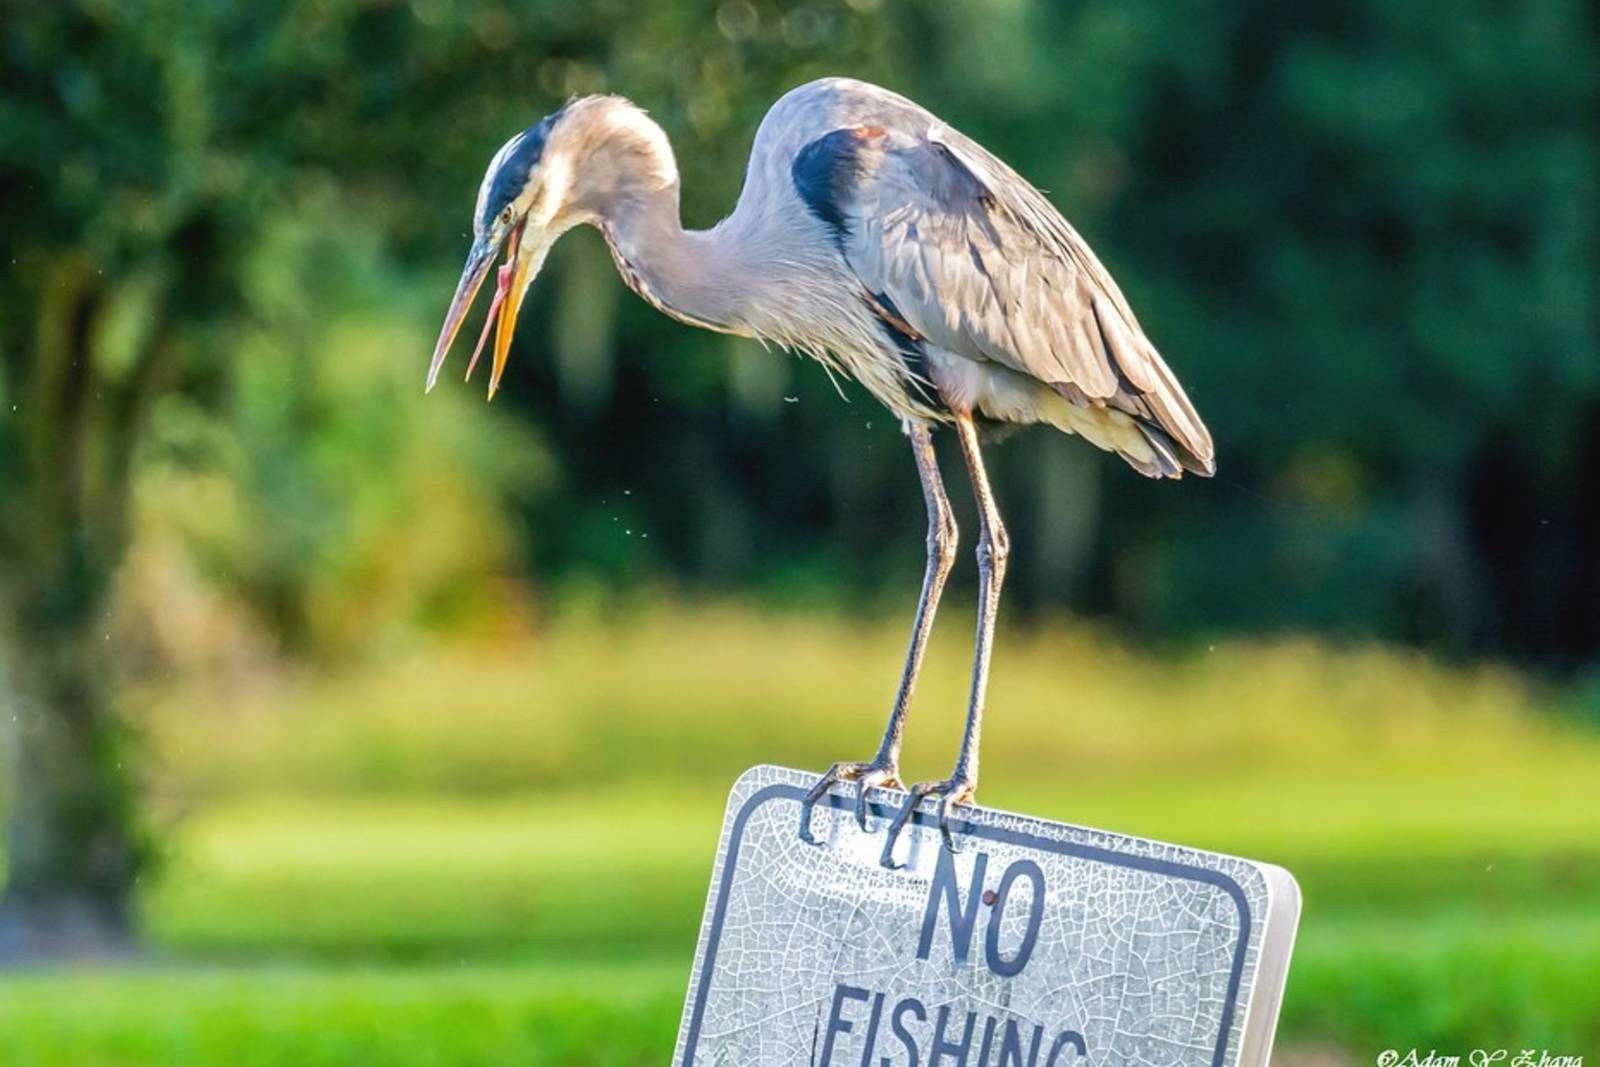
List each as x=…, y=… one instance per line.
x=701, y=277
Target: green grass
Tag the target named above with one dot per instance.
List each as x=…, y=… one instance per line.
x=664, y=696
x=501, y=855
x=611, y=875
x=605, y=879
x=1359, y=989
x=1456, y=945
x=295, y=1016
x=1454, y=981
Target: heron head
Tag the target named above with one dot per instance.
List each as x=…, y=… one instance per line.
x=507, y=200
x=563, y=170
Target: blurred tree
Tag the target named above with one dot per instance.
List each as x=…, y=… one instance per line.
x=121, y=217
x=147, y=150
x=1372, y=230
x=325, y=495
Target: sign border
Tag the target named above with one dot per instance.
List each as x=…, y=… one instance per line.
x=780, y=790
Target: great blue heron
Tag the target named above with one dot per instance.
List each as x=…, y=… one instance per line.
x=883, y=243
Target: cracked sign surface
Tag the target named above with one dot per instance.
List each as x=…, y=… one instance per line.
x=1036, y=945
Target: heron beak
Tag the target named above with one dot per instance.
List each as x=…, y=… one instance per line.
x=511, y=286
x=479, y=260
x=515, y=277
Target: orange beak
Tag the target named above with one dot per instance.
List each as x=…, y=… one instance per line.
x=514, y=279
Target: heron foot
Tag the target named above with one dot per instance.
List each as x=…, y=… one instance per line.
x=957, y=789
x=882, y=772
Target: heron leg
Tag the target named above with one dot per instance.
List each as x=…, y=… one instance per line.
x=884, y=768
x=994, y=548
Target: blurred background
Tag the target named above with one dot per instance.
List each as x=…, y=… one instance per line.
x=349, y=727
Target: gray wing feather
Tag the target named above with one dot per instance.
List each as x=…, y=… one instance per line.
x=979, y=262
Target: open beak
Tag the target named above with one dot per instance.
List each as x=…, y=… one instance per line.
x=514, y=279
x=510, y=288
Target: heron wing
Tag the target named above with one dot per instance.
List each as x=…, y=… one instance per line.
x=980, y=263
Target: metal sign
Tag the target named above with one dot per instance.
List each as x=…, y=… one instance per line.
x=1035, y=945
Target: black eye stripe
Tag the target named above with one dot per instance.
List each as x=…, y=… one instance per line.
x=511, y=176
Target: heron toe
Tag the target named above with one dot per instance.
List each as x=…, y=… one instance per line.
x=957, y=789
x=864, y=775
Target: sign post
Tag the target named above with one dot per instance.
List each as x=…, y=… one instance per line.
x=1037, y=944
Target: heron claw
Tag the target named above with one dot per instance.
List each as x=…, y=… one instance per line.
x=861, y=805
x=864, y=775
x=957, y=789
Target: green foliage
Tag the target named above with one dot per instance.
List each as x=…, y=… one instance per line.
x=168, y=172
x=325, y=493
